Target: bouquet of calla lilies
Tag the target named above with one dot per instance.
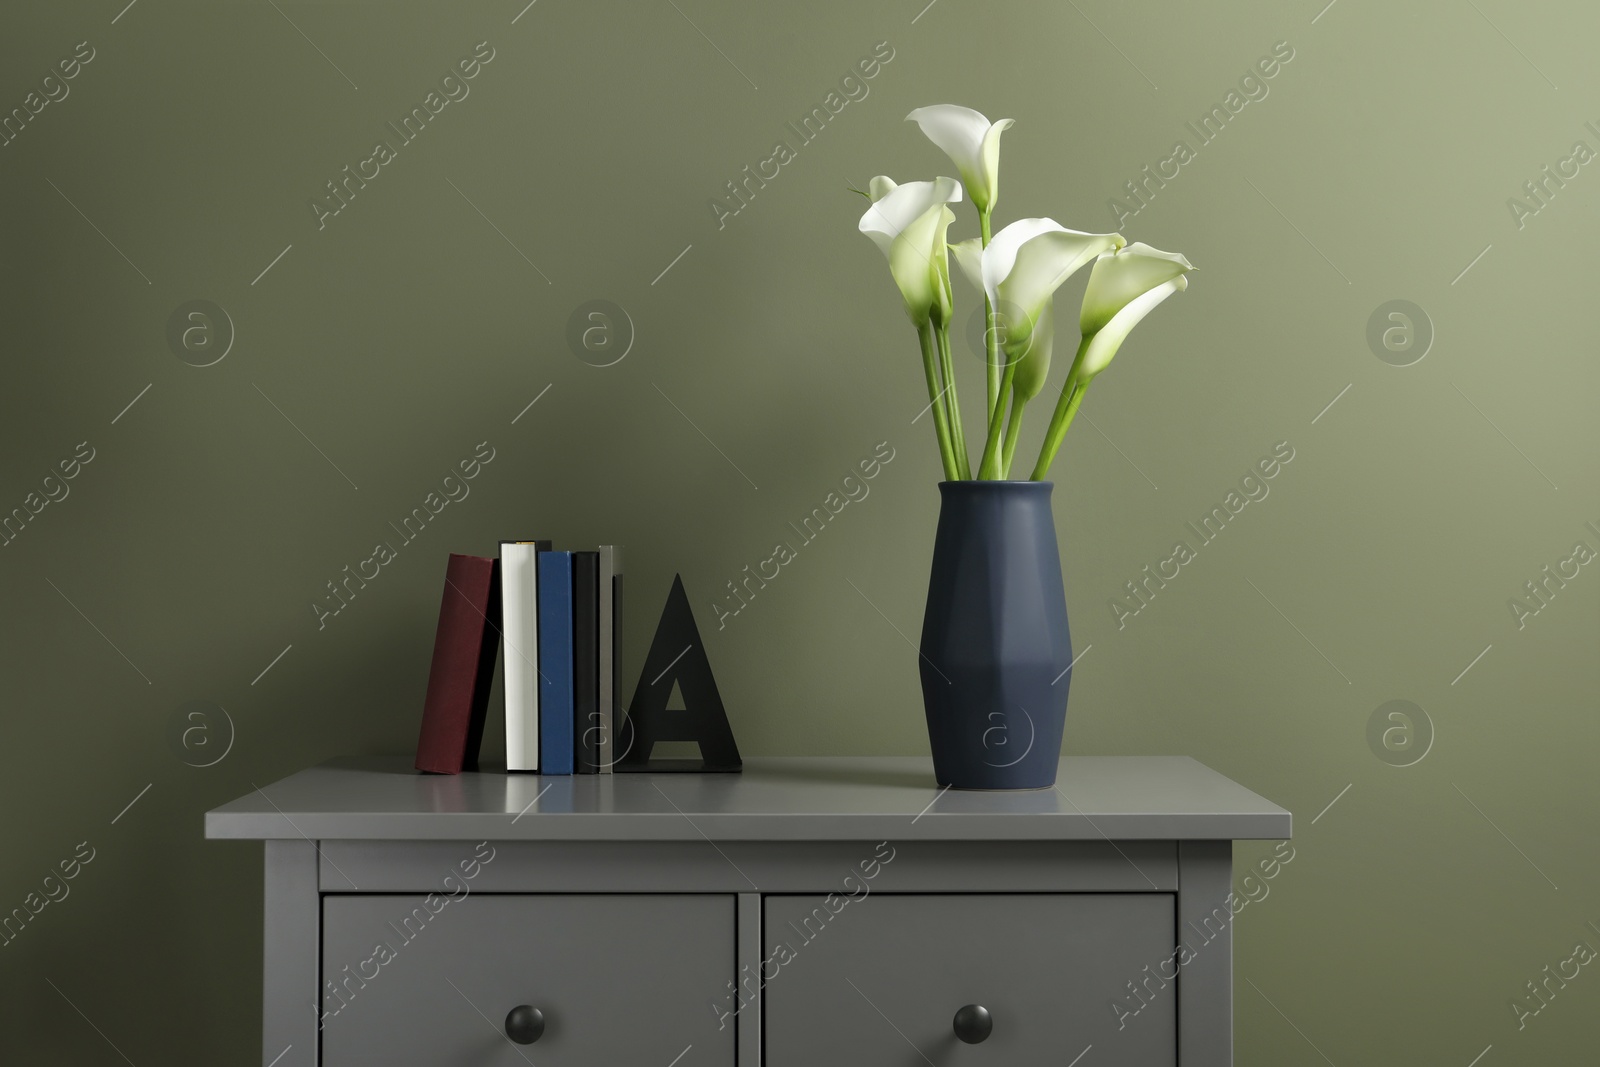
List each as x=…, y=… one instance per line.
x=1018, y=271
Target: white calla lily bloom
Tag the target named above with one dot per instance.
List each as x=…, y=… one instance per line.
x=1045, y=266
x=972, y=142
x=969, y=257
x=908, y=224
x=1124, y=287
x=1023, y=267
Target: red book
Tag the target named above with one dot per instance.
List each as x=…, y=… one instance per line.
x=463, y=667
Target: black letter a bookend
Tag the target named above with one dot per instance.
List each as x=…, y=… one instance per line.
x=677, y=656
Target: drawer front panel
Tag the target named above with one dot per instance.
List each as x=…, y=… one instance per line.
x=618, y=979
x=878, y=980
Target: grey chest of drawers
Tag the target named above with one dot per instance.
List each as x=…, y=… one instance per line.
x=808, y=911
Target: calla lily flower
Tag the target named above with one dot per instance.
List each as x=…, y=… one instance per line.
x=972, y=142
x=1023, y=267
x=969, y=257
x=908, y=224
x=1047, y=266
x=1123, y=288
x=1034, y=358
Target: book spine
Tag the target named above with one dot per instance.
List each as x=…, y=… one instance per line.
x=483, y=683
x=520, y=634
x=462, y=669
x=610, y=597
x=555, y=662
x=586, y=660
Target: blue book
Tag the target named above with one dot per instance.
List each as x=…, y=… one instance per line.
x=555, y=663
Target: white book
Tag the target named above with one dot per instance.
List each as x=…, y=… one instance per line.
x=519, y=633
x=610, y=665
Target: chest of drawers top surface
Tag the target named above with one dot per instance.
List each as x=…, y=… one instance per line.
x=1170, y=798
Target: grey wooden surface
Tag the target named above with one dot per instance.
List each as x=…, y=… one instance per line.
x=1169, y=798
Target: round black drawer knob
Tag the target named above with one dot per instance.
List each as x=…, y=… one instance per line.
x=973, y=1023
x=525, y=1024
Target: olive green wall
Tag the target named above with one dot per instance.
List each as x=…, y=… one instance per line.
x=769, y=356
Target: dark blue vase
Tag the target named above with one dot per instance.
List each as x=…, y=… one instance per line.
x=995, y=647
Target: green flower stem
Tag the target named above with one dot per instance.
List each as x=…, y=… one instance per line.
x=990, y=468
x=1066, y=407
x=941, y=427
x=958, y=436
x=991, y=338
x=1013, y=427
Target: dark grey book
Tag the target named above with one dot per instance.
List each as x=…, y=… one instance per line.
x=610, y=657
x=586, y=662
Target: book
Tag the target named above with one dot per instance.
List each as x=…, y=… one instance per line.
x=519, y=628
x=462, y=671
x=586, y=661
x=555, y=662
x=610, y=661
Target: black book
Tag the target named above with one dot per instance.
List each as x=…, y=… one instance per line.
x=587, y=730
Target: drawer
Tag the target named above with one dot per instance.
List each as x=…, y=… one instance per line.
x=618, y=979
x=864, y=981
